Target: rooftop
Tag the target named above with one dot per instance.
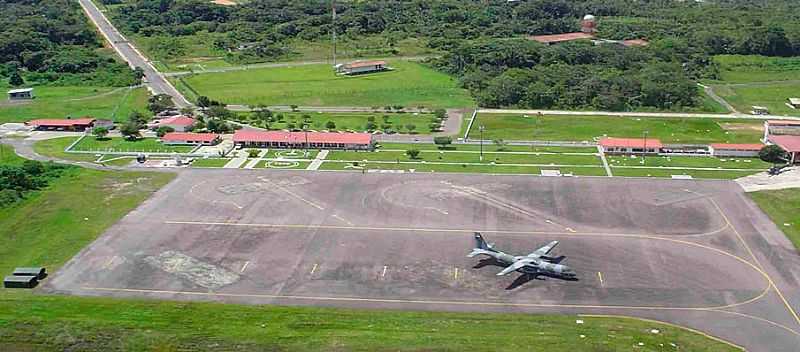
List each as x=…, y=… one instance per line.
x=789, y=143
x=631, y=142
x=730, y=146
x=177, y=120
x=189, y=136
x=20, y=90
x=61, y=122
x=784, y=122
x=300, y=137
x=565, y=37
x=635, y=42
x=364, y=63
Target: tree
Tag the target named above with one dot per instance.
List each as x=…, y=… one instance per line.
x=412, y=153
x=219, y=111
x=293, y=107
x=411, y=127
x=440, y=114
x=100, y=132
x=137, y=118
x=159, y=103
x=163, y=130
x=15, y=79
x=203, y=101
x=253, y=153
x=130, y=131
x=218, y=126
x=330, y=125
x=771, y=154
x=33, y=167
x=371, y=126
x=443, y=141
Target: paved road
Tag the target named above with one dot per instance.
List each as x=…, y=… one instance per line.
x=286, y=64
x=637, y=114
x=155, y=80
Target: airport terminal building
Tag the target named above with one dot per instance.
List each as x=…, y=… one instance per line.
x=300, y=140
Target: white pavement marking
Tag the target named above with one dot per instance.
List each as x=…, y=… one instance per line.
x=383, y=274
x=455, y=275
x=605, y=162
x=244, y=266
x=343, y=220
x=252, y=163
x=295, y=195
x=318, y=160
x=313, y=269
x=600, y=276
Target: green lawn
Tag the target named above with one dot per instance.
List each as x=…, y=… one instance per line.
x=55, y=148
x=585, y=128
x=119, y=144
x=782, y=206
x=464, y=168
x=772, y=95
x=410, y=84
x=471, y=157
x=52, y=225
x=275, y=164
x=755, y=68
x=60, y=102
x=210, y=162
x=8, y=157
x=690, y=161
x=666, y=173
x=488, y=147
x=352, y=121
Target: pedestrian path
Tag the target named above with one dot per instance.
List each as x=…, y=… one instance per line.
x=235, y=163
x=253, y=162
x=605, y=162
x=318, y=160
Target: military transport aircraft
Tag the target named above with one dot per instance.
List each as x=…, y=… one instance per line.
x=536, y=263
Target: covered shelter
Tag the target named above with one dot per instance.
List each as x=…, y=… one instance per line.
x=18, y=281
x=789, y=143
x=189, y=138
x=299, y=140
x=358, y=67
x=611, y=145
x=20, y=94
x=794, y=103
x=81, y=124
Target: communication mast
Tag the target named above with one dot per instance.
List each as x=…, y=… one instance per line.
x=333, y=29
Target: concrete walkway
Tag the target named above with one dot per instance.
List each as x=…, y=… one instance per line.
x=605, y=162
x=763, y=181
x=318, y=160
x=235, y=163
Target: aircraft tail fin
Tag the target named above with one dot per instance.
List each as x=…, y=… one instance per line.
x=480, y=243
x=478, y=251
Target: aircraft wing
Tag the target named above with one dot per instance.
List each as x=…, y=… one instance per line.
x=543, y=250
x=519, y=264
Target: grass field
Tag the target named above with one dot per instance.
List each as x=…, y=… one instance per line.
x=667, y=173
x=489, y=147
x=119, y=144
x=586, y=128
x=57, y=222
x=467, y=157
x=352, y=121
x=55, y=148
x=781, y=206
x=464, y=168
x=60, y=102
x=279, y=164
x=749, y=80
x=409, y=84
x=690, y=161
x=210, y=162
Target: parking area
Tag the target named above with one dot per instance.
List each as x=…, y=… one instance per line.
x=694, y=253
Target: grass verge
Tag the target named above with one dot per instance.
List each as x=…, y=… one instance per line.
x=60, y=102
x=781, y=206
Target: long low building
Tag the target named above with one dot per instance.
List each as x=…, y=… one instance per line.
x=612, y=145
x=189, y=138
x=81, y=124
x=790, y=144
x=299, y=140
x=735, y=150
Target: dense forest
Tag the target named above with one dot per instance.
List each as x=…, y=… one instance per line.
x=484, y=42
x=51, y=42
x=17, y=180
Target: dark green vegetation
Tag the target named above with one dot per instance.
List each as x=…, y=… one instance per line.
x=587, y=128
x=781, y=206
x=483, y=43
x=51, y=42
x=56, y=222
x=19, y=177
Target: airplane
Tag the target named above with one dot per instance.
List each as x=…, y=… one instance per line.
x=536, y=263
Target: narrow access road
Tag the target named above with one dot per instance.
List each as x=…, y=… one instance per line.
x=155, y=81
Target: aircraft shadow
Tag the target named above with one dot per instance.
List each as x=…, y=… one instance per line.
x=523, y=278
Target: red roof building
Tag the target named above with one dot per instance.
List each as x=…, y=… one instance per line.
x=178, y=123
x=789, y=143
x=558, y=38
x=62, y=124
x=735, y=150
x=612, y=145
x=321, y=140
x=357, y=67
x=190, y=138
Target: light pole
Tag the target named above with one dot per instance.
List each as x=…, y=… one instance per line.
x=481, y=128
x=644, y=150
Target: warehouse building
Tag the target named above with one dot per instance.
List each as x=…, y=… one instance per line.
x=300, y=140
x=189, y=138
x=359, y=67
x=735, y=150
x=178, y=123
x=62, y=124
x=20, y=94
x=649, y=146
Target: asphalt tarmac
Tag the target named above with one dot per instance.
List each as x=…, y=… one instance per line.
x=694, y=253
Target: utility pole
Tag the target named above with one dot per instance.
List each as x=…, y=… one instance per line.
x=333, y=29
x=481, y=128
x=644, y=151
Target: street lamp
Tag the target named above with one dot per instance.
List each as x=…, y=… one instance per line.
x=481, y=128
x=644, y=150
